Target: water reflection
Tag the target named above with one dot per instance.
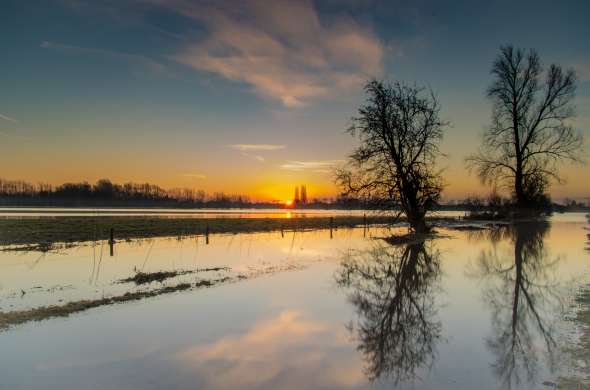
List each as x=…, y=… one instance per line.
x=523, y=297
x=577, y=353
x=276, y=352
x=588, y=234
x=285, y=330
x=392, y=289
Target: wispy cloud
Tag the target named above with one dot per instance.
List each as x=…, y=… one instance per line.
x=281, y=48
x=195, y=175
x=144, y=62
x=256, y=147
x=319, y=166
x=247, y=150
x=256, y=157
x=7, y=118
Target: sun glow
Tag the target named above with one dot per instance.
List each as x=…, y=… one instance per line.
x=289, y=203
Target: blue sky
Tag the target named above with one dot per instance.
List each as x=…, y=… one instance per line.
x=252, y=96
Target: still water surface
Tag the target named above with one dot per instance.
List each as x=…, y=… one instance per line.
x=473, y=309
x=36, y=212
x=168, y=212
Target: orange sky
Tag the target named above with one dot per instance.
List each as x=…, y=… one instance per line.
x=253, y=97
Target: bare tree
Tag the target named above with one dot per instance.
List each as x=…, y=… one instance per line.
x=529, y=134
x=400, y=130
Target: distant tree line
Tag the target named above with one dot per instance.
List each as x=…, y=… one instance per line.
x=104, y=192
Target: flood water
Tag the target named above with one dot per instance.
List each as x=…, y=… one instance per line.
x=37, y=212
x=487, y=309
x=170, y=212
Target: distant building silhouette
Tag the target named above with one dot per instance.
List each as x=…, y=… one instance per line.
x=303, y=194
x=301, y=197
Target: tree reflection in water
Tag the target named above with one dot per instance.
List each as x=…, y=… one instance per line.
x=392, y=289
x=524, y=299
x=588, y=234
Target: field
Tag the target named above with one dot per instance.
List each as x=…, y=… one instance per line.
x=39, y=233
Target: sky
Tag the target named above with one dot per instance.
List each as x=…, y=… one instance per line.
x=255, y=96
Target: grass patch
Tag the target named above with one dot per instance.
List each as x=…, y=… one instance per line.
x=149, y=277
x=410, y=238
x=42, y=233
x=14, y=318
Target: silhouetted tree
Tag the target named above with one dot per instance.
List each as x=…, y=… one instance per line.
x=529, y=134
x=393, y=291
x=105, y=189
x=400, y=130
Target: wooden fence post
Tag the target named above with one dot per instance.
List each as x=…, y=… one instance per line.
x=331, y=226
x=112, y=242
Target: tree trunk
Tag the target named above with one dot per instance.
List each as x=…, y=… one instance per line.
x=421, y=227
x=521, y=200
x=417, y=222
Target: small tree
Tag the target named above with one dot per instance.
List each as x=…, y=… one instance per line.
x=399, y=131
x=529, y=134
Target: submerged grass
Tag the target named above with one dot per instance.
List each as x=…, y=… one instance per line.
x=148, y=277
x=42, y=233
x=410, y=238
x=14, y=318
x=41, y=313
